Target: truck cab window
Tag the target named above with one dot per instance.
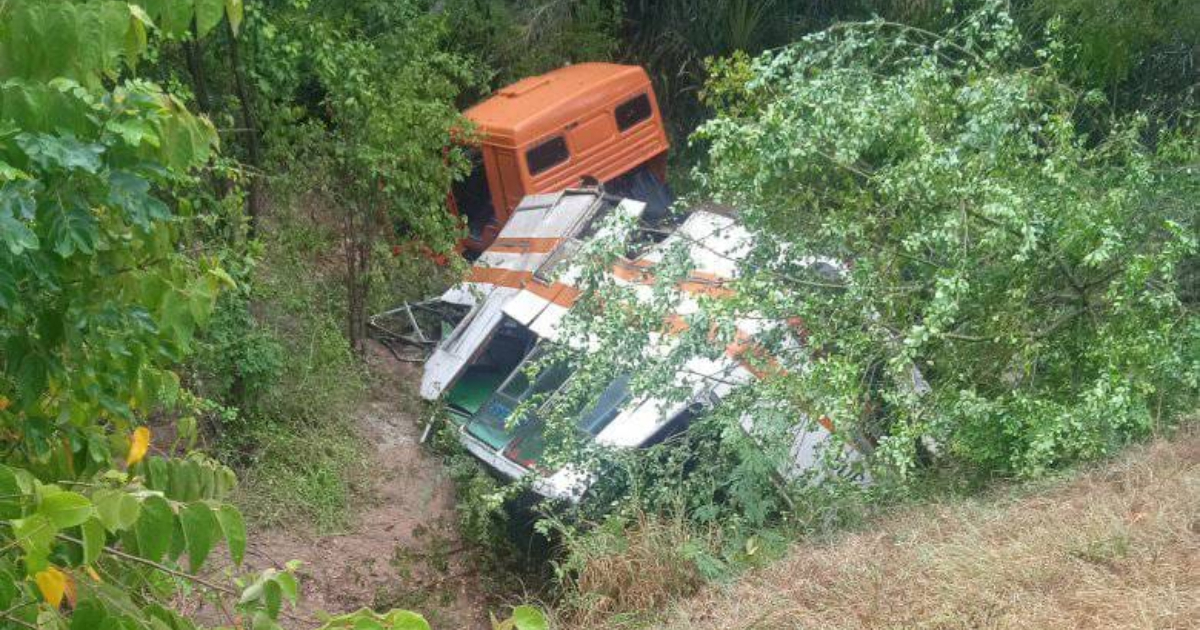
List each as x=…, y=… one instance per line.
x=474, y=197
x=547, y=154
x=633, y=111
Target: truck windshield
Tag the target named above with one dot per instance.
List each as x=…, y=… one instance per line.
x=473, y=196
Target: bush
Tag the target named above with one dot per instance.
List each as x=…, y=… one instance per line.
x=629, y=568
x=277, y=356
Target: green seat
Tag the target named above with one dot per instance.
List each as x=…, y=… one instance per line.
x=473, y=389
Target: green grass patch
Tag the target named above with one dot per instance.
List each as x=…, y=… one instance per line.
x=311, y=474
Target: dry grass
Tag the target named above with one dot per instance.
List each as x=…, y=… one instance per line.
x=1116, y=547
x=623, y=576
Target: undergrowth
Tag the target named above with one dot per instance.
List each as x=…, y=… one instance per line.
x=276, y=357
x=306, y=473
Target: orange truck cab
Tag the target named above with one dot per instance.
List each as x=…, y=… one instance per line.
x=586, y=123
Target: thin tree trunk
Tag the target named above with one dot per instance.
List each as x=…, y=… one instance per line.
x=349, y=241
x=357, y=226
x=250, y=125
x=193, y=51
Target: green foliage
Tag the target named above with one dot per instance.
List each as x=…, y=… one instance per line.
x=626, y=568
x=367, y=620
x=99, y=299
x=1030, y=271
x=373, y=134
x=377, y=134
x=300, y=473
x=242, y=361
x=513, y=40
x=522, y=618
x=483, y=518
x=98, y=304
x=1138, y=50
x=276, y=353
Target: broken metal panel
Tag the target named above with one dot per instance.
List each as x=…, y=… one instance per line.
x=412, y=330
x=546, y=323
x=566, y=484
x=489, y=456
x=804, y=454
x=526, y=306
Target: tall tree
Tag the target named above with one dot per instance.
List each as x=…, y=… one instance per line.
x=98, y=300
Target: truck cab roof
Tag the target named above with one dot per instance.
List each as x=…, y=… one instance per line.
x=536, y=106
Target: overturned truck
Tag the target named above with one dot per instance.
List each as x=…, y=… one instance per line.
x=482, y=334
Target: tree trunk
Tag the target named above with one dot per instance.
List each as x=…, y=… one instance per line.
x=193, y=52
x=250, y=131
x=361, y=224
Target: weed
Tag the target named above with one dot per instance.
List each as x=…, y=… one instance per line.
x=626, y=569
x=311, y=473
x=276, y=353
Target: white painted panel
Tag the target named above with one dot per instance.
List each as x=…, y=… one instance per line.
x=454, y=352
x=525, y=307
x=546, y=324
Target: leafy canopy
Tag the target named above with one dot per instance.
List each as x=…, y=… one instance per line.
x=98, y=300
x=1029, y=270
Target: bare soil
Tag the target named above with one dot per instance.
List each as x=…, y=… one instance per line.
x=402, y=548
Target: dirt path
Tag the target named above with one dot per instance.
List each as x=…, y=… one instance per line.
x=403, y=548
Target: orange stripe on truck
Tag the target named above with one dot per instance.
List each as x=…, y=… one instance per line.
x=555, y=293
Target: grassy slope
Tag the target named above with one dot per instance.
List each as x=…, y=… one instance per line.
x=1116, y=547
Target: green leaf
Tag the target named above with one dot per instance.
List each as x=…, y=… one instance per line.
x=8, y=588
x=200, y=531
x=234, y=12
x=272, y=598
x=18, y=205
x=8, y=172
x=158, y=473
x=184, y=476
x=234, y=530
x=262, y=621
x=132, y=193
x=135, y=37
x=73, y=229
x=65, y=152
x=134, y=131
x=17, y=235
x=208, y=15
x=8, y=299
x=12, y=493
x=406, y=620
x=93, y=540
x=35, y=535
x=89, y=615
x=529, y=618
x=171, y=17
x=118, y=510
x=66, y=509
x=288, y=586
x=155, y=527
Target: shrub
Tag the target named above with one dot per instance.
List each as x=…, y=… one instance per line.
x=628, y=568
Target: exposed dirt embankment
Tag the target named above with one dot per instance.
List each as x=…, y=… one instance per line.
x=401, y=548
x=1118, y=547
